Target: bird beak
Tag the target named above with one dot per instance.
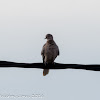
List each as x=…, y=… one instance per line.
x=45, y=38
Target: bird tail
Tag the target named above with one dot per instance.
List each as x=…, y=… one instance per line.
x=45, y=72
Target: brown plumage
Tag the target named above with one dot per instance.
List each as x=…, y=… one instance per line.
x=49, y=52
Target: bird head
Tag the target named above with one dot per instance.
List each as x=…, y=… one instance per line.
x=49, y=37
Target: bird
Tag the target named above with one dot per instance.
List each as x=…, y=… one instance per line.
x=49, y=52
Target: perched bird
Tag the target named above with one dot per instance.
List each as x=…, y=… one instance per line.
x=49, y=52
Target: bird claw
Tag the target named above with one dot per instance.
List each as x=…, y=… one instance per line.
x=53, y=63
x=46, y=63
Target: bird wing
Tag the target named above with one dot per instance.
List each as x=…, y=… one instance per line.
x=42, y=52
x=58, y=52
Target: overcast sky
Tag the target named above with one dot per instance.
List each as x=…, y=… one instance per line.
x=75, y=25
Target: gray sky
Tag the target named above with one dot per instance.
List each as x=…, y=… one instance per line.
x=75, y=26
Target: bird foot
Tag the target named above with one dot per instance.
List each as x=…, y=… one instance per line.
x=46, y=63
x=53, y=63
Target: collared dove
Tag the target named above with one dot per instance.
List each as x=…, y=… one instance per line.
x=49, y=52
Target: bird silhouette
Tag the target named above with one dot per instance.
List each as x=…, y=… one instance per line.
x=49, y=53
